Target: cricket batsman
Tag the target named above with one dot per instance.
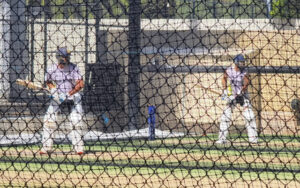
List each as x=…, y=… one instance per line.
x=65, y=82
x=239, y=81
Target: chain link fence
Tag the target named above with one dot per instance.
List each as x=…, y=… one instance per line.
x=147, y=93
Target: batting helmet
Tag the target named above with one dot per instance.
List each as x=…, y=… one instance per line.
x=239, y=61
x=63, y=55
x=63, y=52
x=295, y=104
x=239, y=58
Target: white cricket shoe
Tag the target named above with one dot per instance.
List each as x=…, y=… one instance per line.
x=221, y=142
x=253, y=142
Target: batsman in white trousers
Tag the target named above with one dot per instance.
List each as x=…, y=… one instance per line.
x=75, y=122
x=238, y=95
x=65, y=83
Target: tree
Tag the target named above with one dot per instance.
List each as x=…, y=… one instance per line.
x=159, y=8
x=286, y=9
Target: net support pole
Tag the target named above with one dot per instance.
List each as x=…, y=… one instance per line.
x=4, y=49
x=14, y=46
x=19, y=60
x=101, y=48
x=134, y=63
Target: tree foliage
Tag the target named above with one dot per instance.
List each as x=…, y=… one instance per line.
x=286, y=8
x=159, y=8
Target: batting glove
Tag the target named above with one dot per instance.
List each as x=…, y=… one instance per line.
x=224, y=95
x=227, y=98
x=240, y=93
x=63, y=97
x=230, y=99
x=53, y=93
x=54, y=96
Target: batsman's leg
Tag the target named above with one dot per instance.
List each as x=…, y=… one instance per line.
x=49, y=127
x=250, y=123
x=77, y=126
x=224, y=125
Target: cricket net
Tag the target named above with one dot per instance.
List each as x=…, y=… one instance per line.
x=152, y=105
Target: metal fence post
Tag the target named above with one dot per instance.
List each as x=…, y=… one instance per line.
x=134, y=62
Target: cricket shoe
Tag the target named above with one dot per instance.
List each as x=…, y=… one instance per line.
x=253, y=142
x=221, y=142
x=80, y=153
x=43, y=152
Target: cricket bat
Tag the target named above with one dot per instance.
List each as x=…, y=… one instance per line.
x=208, y=89
x=30, y=85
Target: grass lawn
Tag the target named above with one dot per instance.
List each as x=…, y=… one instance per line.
x=189, y=161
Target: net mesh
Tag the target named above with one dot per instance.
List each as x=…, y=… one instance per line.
x=151, y=110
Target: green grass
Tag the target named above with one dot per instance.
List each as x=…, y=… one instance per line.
x=129, y=171
x=115, y=170
x=201, y=147
x=142, y=163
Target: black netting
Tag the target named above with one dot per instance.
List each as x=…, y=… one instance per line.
x=149, y=93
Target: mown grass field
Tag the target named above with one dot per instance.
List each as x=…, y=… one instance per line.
x=173, y=162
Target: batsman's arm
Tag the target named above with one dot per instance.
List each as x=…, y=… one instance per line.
x=79, y=85
x=50, y=85
x=246, y=83
x=224, y=81
x=224, y=95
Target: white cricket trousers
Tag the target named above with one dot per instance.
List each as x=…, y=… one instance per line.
x=249, y=118
x=76, y=123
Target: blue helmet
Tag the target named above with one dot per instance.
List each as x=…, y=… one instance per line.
x=63, y=52
x=63, y=55
x=295, y=104
x=239, y=61
x=239, y=58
